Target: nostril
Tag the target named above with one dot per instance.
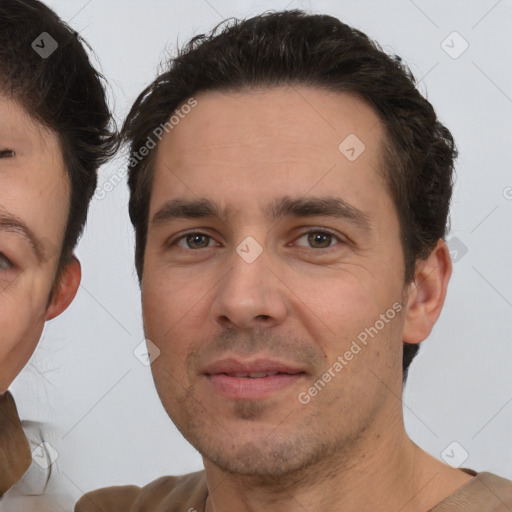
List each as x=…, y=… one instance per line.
x=7, y=153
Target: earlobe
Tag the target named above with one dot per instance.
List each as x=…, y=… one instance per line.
x=426, y=295
x=66, y=289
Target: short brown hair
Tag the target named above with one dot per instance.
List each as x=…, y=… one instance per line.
x=293, y=47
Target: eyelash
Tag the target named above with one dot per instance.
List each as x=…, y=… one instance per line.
x=323, y=231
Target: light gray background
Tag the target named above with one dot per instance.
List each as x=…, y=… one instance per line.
x=103, y=415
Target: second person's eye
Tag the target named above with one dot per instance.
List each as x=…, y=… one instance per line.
x=5, y=262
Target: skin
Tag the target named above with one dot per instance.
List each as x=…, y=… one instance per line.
x=34, y=191
x=303, y=301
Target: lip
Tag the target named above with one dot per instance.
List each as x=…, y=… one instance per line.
x=233, y=366
x=229, y=377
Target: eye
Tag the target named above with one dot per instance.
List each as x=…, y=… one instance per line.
x=319, y=239
x=5, y=263
x=193, y=241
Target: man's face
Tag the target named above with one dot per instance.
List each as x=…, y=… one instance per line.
x=218, y=309
x=34, y=192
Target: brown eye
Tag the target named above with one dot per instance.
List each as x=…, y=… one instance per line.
x=322, y=239
x=195, y=240
x=7, y=153
x=319, y=239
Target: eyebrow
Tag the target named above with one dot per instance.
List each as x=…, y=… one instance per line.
x=278, y=209
x=16, y=225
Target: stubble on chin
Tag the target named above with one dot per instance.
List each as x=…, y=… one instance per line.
x=249, y=411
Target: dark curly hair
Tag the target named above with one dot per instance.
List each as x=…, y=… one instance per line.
x=64, y=93
x=296, y=48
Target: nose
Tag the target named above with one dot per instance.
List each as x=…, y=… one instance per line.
x=250, y=295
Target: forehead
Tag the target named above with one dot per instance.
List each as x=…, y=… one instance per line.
x=19, y=129
x=295, y=139
x=288, y=115
x=34, y=185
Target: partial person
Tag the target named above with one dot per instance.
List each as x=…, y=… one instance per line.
x=55, y=132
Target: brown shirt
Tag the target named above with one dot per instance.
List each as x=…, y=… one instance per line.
x=485, y=492
x=15, y=455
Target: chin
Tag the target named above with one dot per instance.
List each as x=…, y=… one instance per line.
x=267, y=458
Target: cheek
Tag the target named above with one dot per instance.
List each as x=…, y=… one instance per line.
x=158, y=307
x=164, y=312
x=344, y=302
x=169, y=302
x=355, y=319
x=21, y=324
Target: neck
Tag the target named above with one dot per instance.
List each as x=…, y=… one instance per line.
x=384, y=471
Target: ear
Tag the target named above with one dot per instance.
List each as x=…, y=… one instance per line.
x=66, y=289
x=427, y=293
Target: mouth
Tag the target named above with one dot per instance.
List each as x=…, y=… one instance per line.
x=254, y=375
x=251, y=380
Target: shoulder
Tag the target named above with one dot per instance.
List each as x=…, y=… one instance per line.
x=109, y=499
x=499, y=487
x=484, y=492
x=165, y=492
